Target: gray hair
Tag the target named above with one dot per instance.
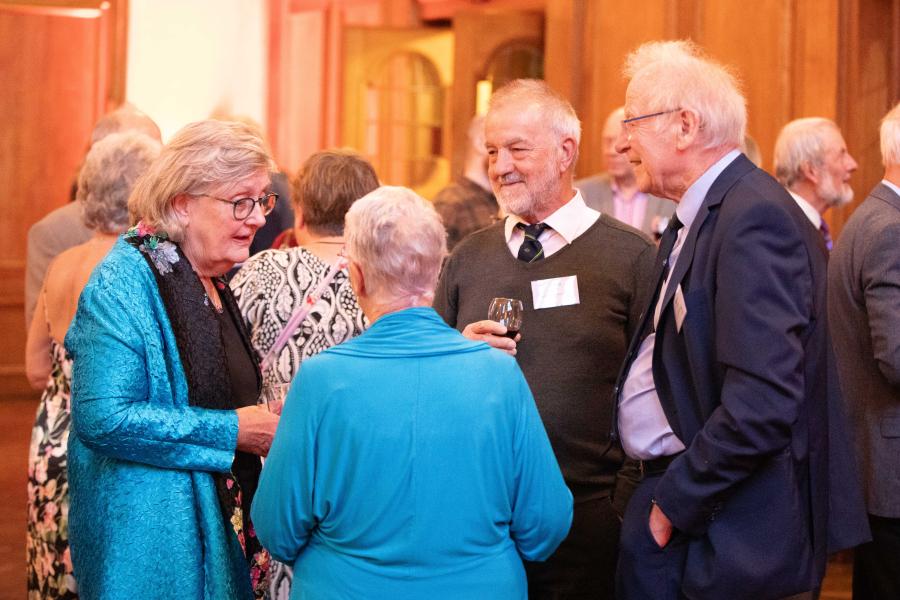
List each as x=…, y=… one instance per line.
x=399, y=242
x=672, y=75
x=110, y=170
x=203, y=158
x=557, y=112
x=800, y=142
x=890, y=137
x=125, y=118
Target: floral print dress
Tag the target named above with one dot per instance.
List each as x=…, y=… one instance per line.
x=47, y=545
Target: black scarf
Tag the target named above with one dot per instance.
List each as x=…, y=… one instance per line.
x=198, y=336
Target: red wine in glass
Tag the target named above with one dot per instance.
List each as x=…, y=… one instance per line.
x=507, y=312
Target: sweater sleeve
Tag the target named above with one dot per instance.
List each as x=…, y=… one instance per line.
x=446, y=295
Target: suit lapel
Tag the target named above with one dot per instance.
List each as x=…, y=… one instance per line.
x=740, y=167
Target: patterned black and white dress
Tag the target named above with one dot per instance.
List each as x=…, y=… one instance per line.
x=268, y=288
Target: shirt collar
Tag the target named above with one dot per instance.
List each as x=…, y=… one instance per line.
x=567, y=220
x=811, y=213
x=690, y=202
x=892, y=186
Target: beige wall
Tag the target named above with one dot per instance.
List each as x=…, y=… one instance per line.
x=189, y=59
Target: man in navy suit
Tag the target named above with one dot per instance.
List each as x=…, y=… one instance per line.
x=728, y=395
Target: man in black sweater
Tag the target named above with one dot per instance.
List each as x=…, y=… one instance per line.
x=582, y=277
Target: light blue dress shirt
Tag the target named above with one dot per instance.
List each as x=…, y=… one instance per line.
x=411, y=463
x=644, y=430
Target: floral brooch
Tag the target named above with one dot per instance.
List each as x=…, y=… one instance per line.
x=156, y=245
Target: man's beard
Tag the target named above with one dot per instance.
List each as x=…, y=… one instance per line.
x=834, y=192
x=525, y=199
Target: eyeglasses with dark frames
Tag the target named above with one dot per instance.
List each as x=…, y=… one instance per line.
x=648, y=116
x=242, y=208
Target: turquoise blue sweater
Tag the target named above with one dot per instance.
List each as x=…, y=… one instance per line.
x=411, y=463
x=144, y=518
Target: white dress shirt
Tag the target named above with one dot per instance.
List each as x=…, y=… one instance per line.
x=643, y=428
x=811, y=213
x=568, y=222
x=892, y=186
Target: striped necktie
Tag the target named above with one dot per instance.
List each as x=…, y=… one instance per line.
x=531, y=249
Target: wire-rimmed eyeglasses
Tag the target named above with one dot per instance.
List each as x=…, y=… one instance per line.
x=648, y=116
x=242, y=208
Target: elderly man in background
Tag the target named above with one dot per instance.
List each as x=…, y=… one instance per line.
x=864, y=306
x=616, y=192
x=726, y=396
x=812, y=162
x=467, y=204
x=581, y=276
x=63, y=227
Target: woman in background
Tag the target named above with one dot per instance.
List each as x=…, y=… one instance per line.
x=167, y=435
x=110, y=170
x=410, y=462
x=271, y=285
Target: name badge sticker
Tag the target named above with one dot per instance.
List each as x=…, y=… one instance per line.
x=559, y=291
x=680, y=308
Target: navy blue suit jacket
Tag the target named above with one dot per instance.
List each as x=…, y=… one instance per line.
x=765, y=487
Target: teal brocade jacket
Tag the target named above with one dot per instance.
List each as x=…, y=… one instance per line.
x=144, y=516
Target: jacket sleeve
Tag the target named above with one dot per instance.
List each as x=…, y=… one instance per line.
x=881, y=286
x=762, y=311
x=542, y=504
x=282, y=509
x=115, y=410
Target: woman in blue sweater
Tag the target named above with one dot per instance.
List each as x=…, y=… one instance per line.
x=409, y=461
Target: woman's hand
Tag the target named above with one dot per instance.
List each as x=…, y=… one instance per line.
x=256, y=428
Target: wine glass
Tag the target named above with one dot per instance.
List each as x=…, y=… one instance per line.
x=273, y=395
x=508, y=312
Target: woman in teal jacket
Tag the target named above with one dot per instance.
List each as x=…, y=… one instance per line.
x=164, y=455
x=409, y=462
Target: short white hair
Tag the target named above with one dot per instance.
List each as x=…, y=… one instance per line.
x=557, y=112
x=108, y=175
x=399, y=242
x=801, y=142
x=890, y=137
x=678, y=75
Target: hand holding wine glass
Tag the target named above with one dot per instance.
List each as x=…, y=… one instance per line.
x=507, y=312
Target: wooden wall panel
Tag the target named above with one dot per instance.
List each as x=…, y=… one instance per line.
x=478, y=34
x=63, y=66
x=305, y=86
x=612, y=30
x=869, y=87
x=756, y=39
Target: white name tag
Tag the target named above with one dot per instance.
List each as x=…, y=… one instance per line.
x=680, y=308
x=559, y=291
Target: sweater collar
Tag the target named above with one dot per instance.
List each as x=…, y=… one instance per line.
x=411, y=332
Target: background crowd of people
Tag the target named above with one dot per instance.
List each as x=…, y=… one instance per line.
x=700, y=403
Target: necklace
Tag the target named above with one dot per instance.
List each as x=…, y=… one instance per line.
x=212, y=296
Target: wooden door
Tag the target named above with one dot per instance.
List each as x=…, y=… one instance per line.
x=396, y=107
x=62, y=65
